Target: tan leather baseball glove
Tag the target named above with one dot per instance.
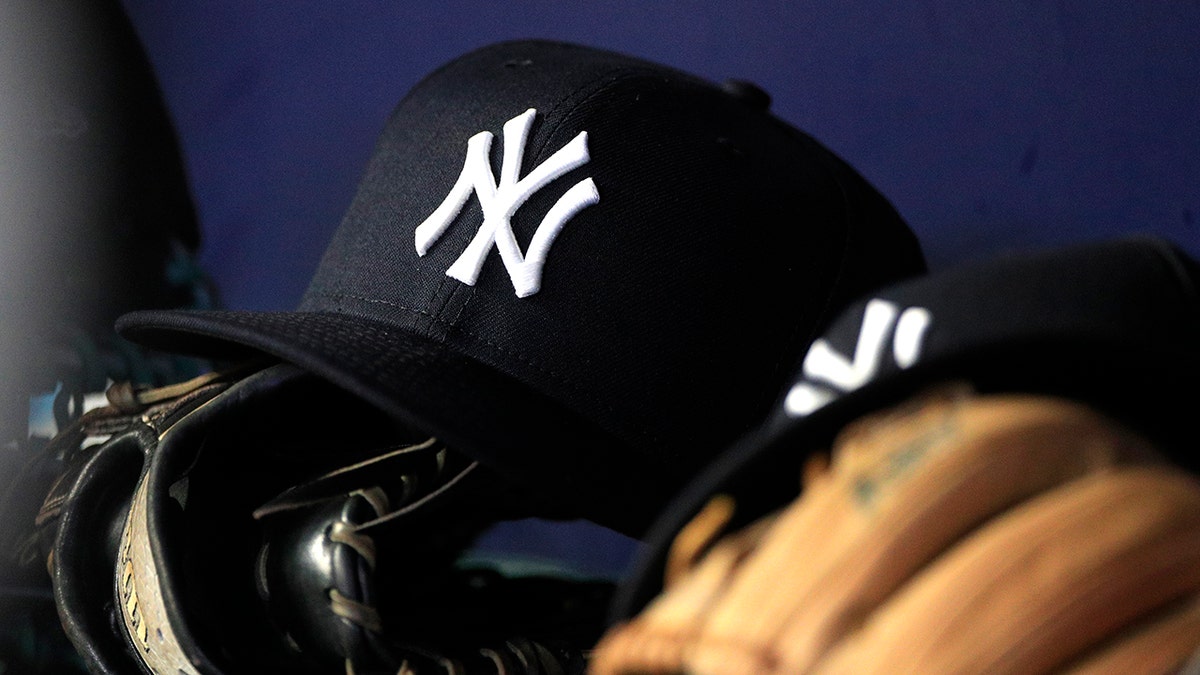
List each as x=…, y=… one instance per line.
x=956, y=533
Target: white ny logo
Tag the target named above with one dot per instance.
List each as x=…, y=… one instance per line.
x=823, y=364
x=501, y=199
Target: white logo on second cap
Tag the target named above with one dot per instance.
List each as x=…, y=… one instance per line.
x=826, y=374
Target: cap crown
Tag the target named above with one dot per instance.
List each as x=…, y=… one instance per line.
x=625, y=238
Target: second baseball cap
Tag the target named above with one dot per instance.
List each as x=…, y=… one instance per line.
x=1114, y=324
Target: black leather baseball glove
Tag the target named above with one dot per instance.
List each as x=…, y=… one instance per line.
x=271, y=522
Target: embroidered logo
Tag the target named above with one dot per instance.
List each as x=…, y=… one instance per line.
x=828, y=374
x=500, y=199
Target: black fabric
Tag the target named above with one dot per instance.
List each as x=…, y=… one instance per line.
x=669, y=312
x=1115, y=324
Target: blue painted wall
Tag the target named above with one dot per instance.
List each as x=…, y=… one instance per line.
x=990, y=125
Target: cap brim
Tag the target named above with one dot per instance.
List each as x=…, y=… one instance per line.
x=429, y=386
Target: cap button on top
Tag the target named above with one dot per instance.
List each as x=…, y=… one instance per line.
x=750, y=94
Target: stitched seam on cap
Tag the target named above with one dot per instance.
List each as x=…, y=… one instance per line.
x=454, y=290
x=583, y=393
x=474, y=335
x=436, y=292
x=602, y=83
x=461, y=308
x=360, y=298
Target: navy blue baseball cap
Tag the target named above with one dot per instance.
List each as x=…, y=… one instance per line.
x=586, y=270
x=1114, y=324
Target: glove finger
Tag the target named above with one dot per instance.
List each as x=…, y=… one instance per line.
x=1042, y=583
x=654, y=642
x=1159, y=646
x=904, y=485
